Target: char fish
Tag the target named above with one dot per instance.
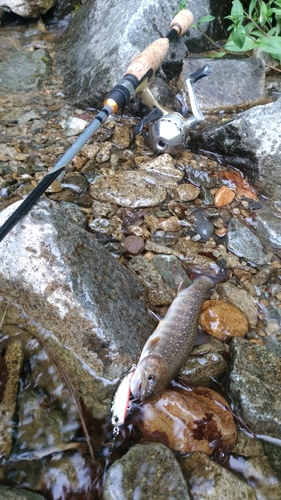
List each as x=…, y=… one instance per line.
x=171, y=343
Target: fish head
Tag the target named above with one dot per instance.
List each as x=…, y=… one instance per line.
x=150, y=378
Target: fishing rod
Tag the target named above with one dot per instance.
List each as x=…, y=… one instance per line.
x=135, y=80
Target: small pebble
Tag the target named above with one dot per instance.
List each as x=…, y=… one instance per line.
x=133, y=244
x=224, y=196
x=186, y=192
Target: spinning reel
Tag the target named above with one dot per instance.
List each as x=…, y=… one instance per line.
x=169, y=130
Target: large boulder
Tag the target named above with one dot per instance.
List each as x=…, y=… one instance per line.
x=68, y=283
x=27, y=8
x=250, y=142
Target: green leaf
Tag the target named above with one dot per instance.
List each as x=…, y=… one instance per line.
x=252, y=6
x=248, y=45
x=272, y=45
x=217, y=55
x=238, y=35
x=237, y=12
x=206, y=19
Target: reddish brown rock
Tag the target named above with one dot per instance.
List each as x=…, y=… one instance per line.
x=222, y=320
x=196, y=419
x=224, y=196
x=133, y=244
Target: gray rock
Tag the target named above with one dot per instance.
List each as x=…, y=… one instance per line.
x=202, y=225
x=146, y=471
x=250, y=142
x=75, y=182
x=254, y=383
x=159, y=292
x=98, y=58
x=8, y=493
x=219, y=91
x=207, y=480
x=205, y=363
x=74, y=213
x=171, y=270
x=258, y=472
x=268, y=227
x=28, y=8
x=128, y=189
x=242, y=242
x=74, y=288
x=24, y=69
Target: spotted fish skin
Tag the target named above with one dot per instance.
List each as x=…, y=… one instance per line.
x=171, y=343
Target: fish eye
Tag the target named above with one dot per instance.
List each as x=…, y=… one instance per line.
x=151, y=378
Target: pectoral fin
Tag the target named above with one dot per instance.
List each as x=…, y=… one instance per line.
x=150, y=345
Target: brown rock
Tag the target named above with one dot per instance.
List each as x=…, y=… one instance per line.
x=196, y=419
x=224, y=196
x=222, y=320
x=186, y=192
x=133, y=244
x=170, y=224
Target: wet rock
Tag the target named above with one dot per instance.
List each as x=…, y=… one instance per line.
x=133, y=244
x=171, y=270
x=259, y=474
x=242, y=242
x=207, y=480
x=103, y=154
x=248, y=143
x=202, y=225
x=8, y=493
x=68, y=283
x=186, y=192
x=159, y=293
x=76, y=182
x=219, y=91
x=223, y=197
x=27, y=8
x=222, y=320
x=268, y=227
x=258, y=372
x=162, y=168
x=11, y=363
x=121, y=137
x=205, y=364
x=200, y=177
x=24, y=69
x=248, y=446
x=97, y=60
x=241, y=299
x=196, y=419
x=128, y=189
x=146, y=471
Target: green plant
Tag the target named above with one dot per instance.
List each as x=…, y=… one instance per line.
x=259, y=27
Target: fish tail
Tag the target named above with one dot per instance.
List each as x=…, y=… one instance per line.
x=217, y=272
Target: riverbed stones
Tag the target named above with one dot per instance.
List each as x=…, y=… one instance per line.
x=197, y=419
x=244, y=243
x=268, y=226
x=222, y=320
x=146, y=471
x=258, y=372
x=208, y=480
x=128, y=189
x=241, y=299
x=250, y=142
x=81, y=293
